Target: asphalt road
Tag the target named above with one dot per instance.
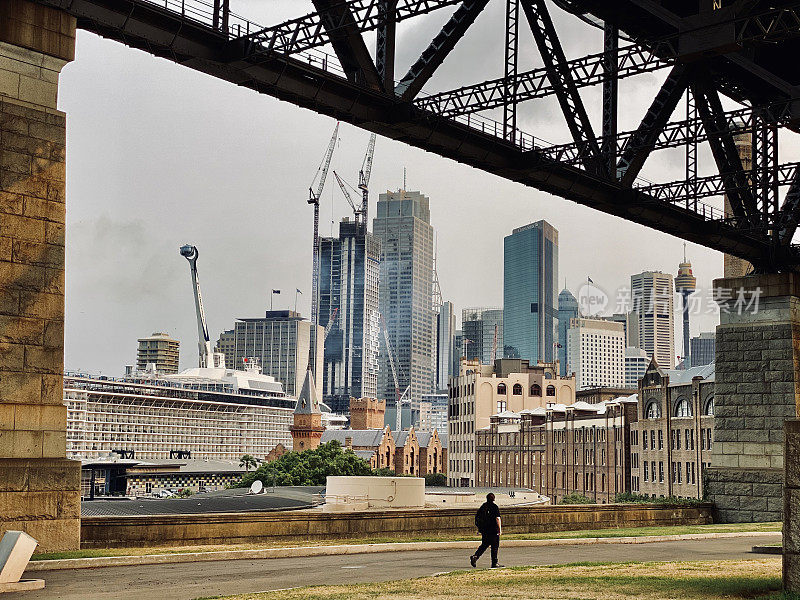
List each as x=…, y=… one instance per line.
x=194, y=580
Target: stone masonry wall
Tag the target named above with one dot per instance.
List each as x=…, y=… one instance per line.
x=39, y=488
x=756, y=386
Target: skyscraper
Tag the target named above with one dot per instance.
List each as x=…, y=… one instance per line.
x=596, y=353
x=567, y=310
x=652, y=295
x=685, y=285
x=160, y=350
x=349, y=269
x=530, y=276
x=280, y=341
x=479, y=326
x=402, y=226
x=702, y=349
x=445, y=344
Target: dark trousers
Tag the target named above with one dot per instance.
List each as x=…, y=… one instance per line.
x=489, y=540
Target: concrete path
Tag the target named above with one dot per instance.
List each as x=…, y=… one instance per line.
x=194, y=580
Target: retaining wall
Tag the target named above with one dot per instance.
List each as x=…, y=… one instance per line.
x=305, y=526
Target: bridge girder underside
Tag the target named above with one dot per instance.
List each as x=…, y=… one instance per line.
x=743, y=50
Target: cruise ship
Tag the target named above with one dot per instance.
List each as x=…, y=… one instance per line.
x=206, y=412
x=211, y=413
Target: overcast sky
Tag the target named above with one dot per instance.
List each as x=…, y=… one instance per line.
x=160, y=155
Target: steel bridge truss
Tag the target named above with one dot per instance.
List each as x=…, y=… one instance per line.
x=737, y=50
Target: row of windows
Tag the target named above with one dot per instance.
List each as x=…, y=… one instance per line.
x=683, y=409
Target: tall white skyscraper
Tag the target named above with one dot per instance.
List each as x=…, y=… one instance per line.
x=596, y=353
x=652, y=293
x=402, y=224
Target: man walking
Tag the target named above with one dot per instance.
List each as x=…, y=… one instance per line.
x=487, y=520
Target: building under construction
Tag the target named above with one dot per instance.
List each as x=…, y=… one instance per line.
x=349, y=268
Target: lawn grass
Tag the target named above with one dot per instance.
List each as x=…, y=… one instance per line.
x=611, y=533
x=707, y=580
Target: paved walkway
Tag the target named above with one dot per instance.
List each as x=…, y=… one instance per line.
x=194, y=580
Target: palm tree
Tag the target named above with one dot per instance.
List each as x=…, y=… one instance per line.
x=248, y=461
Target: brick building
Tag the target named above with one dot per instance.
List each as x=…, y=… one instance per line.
x=481, y=391
x=376, y=446
x=560, y=449
x=674, y=434
x=367, y=413
x=406, y=453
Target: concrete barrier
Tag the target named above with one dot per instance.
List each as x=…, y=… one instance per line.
x=304, y=526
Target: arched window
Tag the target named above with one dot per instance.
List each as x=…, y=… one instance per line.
x=683, y=408
x=653, y=410
x=709, y=407
x=536, y=390
x=517, y=389
x=501, y=388
x=551, y=390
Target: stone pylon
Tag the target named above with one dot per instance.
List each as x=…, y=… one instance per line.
x=756, y=389
x=39, y=488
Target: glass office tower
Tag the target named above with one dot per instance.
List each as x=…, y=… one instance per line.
x=348, y=300
x=402, y=225
x=567, y=310
x=530, y=276
x=479, y=326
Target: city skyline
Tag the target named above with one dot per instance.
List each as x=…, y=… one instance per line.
x=261, y=239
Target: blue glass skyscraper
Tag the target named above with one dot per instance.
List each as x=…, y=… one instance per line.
x=530, y=279
x=567, y=310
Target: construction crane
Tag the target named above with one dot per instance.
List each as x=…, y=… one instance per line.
x=191, y=253
x=360, y=211
x=330, y=322
x=346, y=194
x=363, y=181
x=313, y=198
x=398, y=396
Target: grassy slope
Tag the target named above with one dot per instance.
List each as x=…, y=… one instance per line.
x=707, y=580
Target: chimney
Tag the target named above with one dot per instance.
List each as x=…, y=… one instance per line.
x=348, y=443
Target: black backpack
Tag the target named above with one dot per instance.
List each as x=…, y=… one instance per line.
x=482, y=518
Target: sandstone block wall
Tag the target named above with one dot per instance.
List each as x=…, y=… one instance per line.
x=757, y=366
x=39, y=488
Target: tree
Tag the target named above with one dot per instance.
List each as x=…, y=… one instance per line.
x=248, y=461
x=310, y=467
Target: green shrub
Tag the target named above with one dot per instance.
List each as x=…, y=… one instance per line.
x=629, y=498
x=436, y=479
x=576, y=498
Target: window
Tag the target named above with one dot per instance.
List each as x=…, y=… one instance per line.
x=501, y=389
x=645, y=471
x=653, y=471
x=683, y=408
x=709, y=408
x=709, y=438
x=660, y=472
x=644, y=441
x=652, y=439
x=551, y=390
x=501, y=406
x=653, y=410
x=536, y=390
x=660, y=439
x=517, y=390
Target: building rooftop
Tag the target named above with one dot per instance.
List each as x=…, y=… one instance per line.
x=685, y=376
x=361, y=438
